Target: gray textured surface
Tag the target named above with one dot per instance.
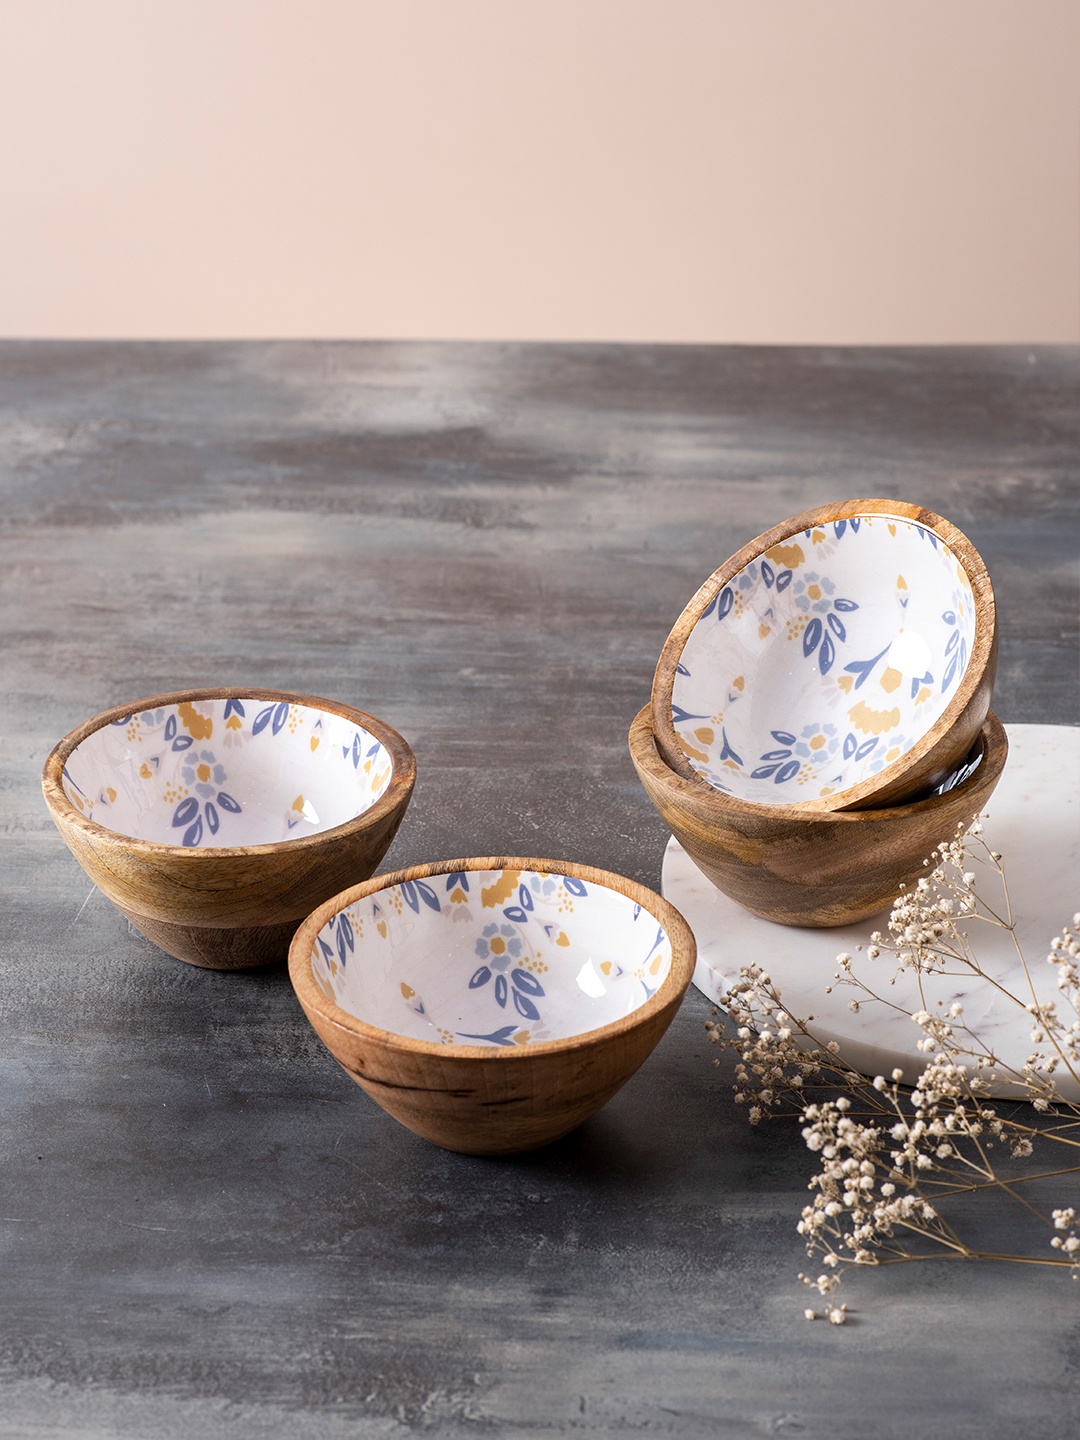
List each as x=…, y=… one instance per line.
x=207, y=1229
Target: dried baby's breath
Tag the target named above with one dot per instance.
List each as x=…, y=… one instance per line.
x=892, y=1159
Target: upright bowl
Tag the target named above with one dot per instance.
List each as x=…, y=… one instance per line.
x=217, y=819
x=824, y=869
x=843, y=660
x=491, y=1005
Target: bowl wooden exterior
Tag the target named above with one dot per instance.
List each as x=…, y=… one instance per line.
x=229, y=908
x=488, y=1100
x=941, y=750
x=818, y=870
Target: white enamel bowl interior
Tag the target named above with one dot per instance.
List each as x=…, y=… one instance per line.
x=824, y=660
x=225, y=772
x=491, y=958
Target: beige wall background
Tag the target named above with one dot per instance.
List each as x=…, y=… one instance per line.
x=670, y=170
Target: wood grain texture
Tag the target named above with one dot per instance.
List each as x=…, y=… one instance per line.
x=487, y=1100
x=940, y=750
x=822, y=869
x=229, y=907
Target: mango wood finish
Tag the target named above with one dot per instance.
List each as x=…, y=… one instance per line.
x=819, y=870
x=939, y=752
x=482, y=1100
x=228, y=908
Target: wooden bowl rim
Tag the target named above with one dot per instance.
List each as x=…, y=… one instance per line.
x=402, y=776
x=704, y=797
x=670, y=990
x=982, y=646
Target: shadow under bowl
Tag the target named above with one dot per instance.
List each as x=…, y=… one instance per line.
x=817, y=870
x=492, y=1004
x=843, y=660
x=216, y=820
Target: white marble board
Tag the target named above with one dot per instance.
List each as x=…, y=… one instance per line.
x=1033, y=819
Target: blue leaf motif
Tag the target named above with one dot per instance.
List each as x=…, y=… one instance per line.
x=458, y=878
x=866, y=747
x=727, y=600
x=501, y=989
x=855, y=522
x=783, y=580
x=480, y=977
x=183, y=742
x=522, y=980
x=763, y=772
x=954, y=640
x=525, y=896
x=680, y=669
x=324, y=947
x=502, y=1036
x=826, y=655
x=408, y=894
x=949, y=616
x=839, y=526
x=836, y=625
x=281, y=714
x=193, y=834
x=575, y=887
x=786, y=772
x=212, y=817
x=346, y=930
x=811, y=637
x=357, y=752
x=845, y=605
x=524, y=1006
x=374, y=749
x=776, y=755
x=784, y=737
x=515, y=913
x=727, y=753
x=768, y=574
x=851, y=744
x=185, y=812
x=170, y=727
x=262, y=720
x=709, y=608
x=427, y=894
x=228, y=803
x=234, y=707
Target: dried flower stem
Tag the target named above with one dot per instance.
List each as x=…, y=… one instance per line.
x=890, y=1155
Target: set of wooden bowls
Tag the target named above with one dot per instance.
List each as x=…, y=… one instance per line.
x=489, y=1004
x=819, y=722
x=820, y=715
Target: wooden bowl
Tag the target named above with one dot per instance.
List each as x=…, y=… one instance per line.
x=825, y=869
x=843, y=660
x=217, y=819
x=492, y=1005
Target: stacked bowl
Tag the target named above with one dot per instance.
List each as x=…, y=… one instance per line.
x=820, y=715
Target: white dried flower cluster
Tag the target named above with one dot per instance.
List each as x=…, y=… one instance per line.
x=890, y=1157
x=1068, y=1242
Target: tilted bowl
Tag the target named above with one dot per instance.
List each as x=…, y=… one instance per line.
x=216, y=820
x=843, y=660
x=824, y=869
x=492, y=1005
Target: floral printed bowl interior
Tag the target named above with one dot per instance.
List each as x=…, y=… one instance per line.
x=226, y=771
x=497, y=957
x=216, y=820
x=574, y=972
x=843, y=660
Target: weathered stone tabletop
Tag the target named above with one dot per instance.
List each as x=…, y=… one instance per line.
x=207, y=1229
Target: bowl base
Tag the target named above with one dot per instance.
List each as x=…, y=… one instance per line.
x=231, y=947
